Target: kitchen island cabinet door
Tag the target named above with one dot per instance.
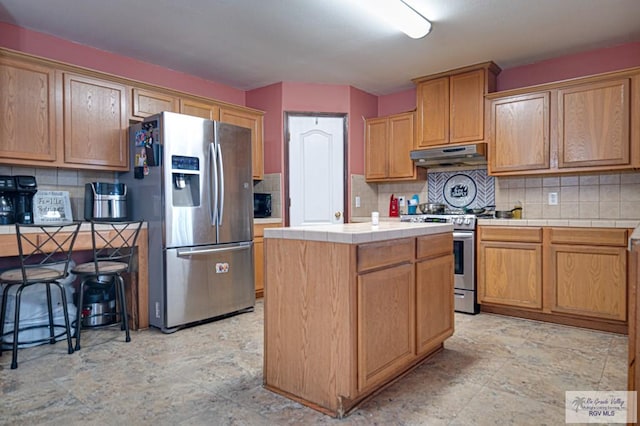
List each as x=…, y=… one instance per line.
x=386, y=324
x=27, y=111
x=520, y=134
x=593, y=124
x=95, y=123
x=434, y=302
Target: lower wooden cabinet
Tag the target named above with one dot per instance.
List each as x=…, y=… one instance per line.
x=588, y=272
x=576, y=276
x=258, y=254
x=386, y=323
x=510, y=266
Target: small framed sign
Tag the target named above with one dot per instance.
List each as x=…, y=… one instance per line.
x=51, y=207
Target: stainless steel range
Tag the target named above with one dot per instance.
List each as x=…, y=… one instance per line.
x=464, y=253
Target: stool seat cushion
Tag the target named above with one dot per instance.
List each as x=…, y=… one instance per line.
x=33, y=274
x=104, y=267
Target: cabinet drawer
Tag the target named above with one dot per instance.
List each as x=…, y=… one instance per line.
x=434, y=245
x=385, y=253
x=589, y=236
x=519, y=234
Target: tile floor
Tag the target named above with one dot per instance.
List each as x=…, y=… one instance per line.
x=494, y=371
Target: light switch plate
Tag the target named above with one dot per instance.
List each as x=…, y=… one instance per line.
x=357, y=201
x=553, y=198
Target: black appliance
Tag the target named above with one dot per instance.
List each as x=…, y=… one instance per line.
x=105, y=201
x=7, y=200
x=261, y=205
x=26, y=188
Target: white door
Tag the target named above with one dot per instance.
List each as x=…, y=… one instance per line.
x=316, y=170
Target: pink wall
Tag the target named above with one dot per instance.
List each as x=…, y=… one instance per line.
x=397, y=102
x=269, y=100
x=362, y=105
x=39, y=44
x=571, y=66
x=312, y=97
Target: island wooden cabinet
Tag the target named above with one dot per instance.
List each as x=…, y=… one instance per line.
x=149, y=102
x=450, y=105
x=510, y=266
x=434, y=291
x=386, y=323
x=251, y=119
x=588, y=272
x=388, y=143
x=95, y=123
x=575, y=276
x=27, y=111
x=566, y=127
x=343, y=320
x=520, y=133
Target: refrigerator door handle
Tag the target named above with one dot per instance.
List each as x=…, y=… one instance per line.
x=221, y=185
x=213, y=182
x=196, y=251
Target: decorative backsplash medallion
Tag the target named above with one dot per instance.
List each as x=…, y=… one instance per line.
x=468, y=188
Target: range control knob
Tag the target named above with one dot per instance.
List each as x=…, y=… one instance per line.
x=467, y=221
x=458, y=221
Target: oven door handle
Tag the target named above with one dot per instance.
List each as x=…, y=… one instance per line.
x=463, y=235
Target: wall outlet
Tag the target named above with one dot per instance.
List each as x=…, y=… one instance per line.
x=357, y=201
x=401, y=201
x=553, y=198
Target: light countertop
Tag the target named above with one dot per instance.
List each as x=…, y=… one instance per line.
x=267, y=220
x=356, y=233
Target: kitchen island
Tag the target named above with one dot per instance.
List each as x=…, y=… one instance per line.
x=350, y=308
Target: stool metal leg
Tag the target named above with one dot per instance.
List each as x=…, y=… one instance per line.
x=16, y=330
x=65, y=311
x=123, y=308
x=3, y=312
x=52, y=331
x=79, y=314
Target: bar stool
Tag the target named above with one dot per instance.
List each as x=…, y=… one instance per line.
x=45, y=253
x=114, y=244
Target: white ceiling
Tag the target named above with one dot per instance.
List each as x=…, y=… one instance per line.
x=248, y=44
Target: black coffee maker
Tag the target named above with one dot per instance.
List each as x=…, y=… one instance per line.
x=26, y=188
x=7, y=200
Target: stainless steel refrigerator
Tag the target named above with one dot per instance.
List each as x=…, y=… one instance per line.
x=191, y=180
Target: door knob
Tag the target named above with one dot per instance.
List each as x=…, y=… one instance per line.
x=337, y=215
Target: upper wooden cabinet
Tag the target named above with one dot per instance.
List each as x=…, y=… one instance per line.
x=520, y=135
x=388, y=143
x=251, y=119
x=450, y=105
x=150, y=102
x=95, y=123
x=566, y=127
x=593, y=124
x=58, y=115
x=210, y=111
x=27, y=111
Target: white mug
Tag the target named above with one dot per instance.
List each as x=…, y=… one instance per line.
x=375, y=218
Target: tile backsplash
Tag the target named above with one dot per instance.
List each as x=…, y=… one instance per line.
x=597, y=196
x=614, y=195
x=53, y=179
x=478, y=187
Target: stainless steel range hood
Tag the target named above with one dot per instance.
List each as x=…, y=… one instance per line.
x=455, y=155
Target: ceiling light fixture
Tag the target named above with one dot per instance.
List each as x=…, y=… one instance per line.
x=401, y=15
